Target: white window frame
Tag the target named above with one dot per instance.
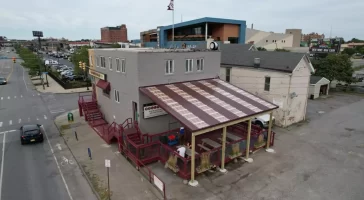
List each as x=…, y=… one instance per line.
x=97, y=61
x=123, y=65
x=200, y=64
x=169, y=67
x=91, y=63
x=103, y=62
x=110, y=63
x=189, y=65
x=116, y=96
x=118, y=66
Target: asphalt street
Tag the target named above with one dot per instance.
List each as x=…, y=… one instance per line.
x=41, y=171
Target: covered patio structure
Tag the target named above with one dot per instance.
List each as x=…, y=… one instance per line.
x=210, y=105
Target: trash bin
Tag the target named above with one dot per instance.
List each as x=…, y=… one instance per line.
x=312, y=96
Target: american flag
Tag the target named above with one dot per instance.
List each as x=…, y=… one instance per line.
x=171, y=6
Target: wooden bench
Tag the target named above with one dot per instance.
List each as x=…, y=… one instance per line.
x=211, y=143
x=204, y=147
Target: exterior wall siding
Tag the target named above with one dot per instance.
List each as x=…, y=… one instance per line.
x=282, y=85
x=145, y=69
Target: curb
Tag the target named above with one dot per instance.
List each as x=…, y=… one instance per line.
x=79, y=166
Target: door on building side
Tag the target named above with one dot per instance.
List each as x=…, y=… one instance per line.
x=94, y=91
x=135, y=112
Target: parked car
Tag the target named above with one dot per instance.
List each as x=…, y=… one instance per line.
x=3, y=81
x=64, y=69
x=67, y=73
x=31, y=133
x=262, y=120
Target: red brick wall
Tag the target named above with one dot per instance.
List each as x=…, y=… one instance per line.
x=120, y=35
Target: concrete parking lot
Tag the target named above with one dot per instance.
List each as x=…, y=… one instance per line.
x=319, y=159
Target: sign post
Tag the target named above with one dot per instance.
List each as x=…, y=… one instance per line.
x=107, y=165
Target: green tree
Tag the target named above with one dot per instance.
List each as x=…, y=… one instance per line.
x=335, y=67
x=115, y=45
x=30, y=60
x=261, y=49
x=281, y=50
x=349, y=51
x=80, y=55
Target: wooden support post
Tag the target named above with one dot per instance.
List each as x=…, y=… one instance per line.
x=269, y=129
x=248, y=142
x=269, y=134
x=193, y=182
x=223, y=150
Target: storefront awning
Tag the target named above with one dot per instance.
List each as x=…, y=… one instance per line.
x=103, y=84
x=206, y=103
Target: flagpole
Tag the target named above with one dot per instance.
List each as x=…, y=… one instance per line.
x=173, y=26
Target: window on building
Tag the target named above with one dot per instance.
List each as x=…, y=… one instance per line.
x=169, y=67
x=110, y=63
x=267, y=83
x=200, y=63
x=227, y=74
x=117, y=65
x=91, y=63
x=189, y=65
x=102, y=58
x=97, y=61
x=123, y=66
x=116, y=96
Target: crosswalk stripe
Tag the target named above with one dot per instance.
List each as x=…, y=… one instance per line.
x=21, y=96
x=8, y=97
x=38, y=94
x=45, y=117
x=2, y=98
x=19, y=121
x=10, y=122
x=1, y=124
x=37, y=118
x=14, y=97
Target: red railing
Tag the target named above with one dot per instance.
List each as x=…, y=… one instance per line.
x=156, y=137
x=151, y=177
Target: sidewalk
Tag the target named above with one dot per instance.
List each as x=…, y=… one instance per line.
x=54, y=87
x=125, y=181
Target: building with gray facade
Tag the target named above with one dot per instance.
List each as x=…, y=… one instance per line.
x=119, y=73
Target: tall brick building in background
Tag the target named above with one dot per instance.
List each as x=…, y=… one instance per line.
x=114, y=34
x=308, y=37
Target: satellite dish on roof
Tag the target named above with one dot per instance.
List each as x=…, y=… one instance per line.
x=214, y=45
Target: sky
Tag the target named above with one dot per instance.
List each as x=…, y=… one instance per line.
x=82, y=19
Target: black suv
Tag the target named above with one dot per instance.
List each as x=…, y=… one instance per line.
x=31, y=133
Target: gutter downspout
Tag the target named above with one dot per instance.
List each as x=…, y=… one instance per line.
x=308, y=88
x=289, y=91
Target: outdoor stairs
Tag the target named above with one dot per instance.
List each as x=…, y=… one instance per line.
x=92, y=114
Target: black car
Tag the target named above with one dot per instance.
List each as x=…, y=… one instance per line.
x=3, y=81
x=31, y=134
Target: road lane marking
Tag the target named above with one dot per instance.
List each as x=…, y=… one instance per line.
x=59, y=168
x=59, y=146
x=8, y=97
x=2, y=98
x=37, y=118
x=38, y=94
x=14, y=97
x=7, y=132
x=1, y=124
x=45, y=117
x=28, y=119
x=2, y=165
x=21, y=96
x=57, y=111
x=33, y=95
x=10, y=122
x=24, y=79
x=19, y=121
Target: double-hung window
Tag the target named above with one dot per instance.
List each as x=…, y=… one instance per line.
x=97, y=61
x=110, y=63
x=102, y=58
x=169, y=67
x=189, y=66
x=200, y=64
x=267, y=83
x=116, y=96
x=123, y=66
x=117, y=65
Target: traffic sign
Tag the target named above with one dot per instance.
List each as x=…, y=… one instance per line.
x=107, y=163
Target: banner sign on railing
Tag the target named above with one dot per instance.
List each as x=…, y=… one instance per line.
x=158, y=183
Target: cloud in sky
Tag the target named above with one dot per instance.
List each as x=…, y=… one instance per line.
x=84, y=18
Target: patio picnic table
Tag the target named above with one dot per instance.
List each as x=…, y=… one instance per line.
x=211, y=143
x=188, y=151
x=232, y=136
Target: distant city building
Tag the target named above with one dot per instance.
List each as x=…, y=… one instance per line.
x=308, y=37
x=297, y=35
x=114, y=34
x=195, y=32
